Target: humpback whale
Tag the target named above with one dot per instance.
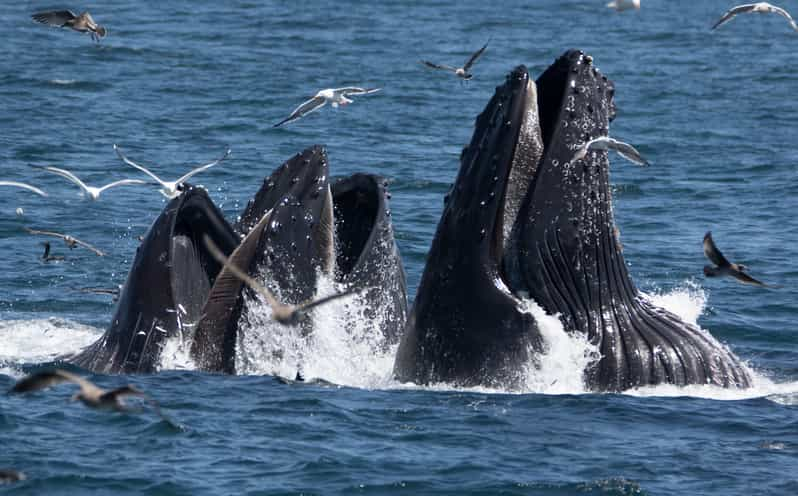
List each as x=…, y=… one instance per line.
x=166, y=288
x=313, y=229
x=526, y=219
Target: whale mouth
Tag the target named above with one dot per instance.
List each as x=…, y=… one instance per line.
x=530, y=115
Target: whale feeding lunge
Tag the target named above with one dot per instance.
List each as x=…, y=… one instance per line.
x=523, y=220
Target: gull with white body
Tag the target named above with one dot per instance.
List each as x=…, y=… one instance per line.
x=333, y=96
x=759, y=8
x=625, y=150
x=90, y=192
x=170, y=189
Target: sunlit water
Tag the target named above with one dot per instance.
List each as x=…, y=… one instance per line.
x=174, y=84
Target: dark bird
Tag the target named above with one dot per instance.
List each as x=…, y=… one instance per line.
x=461, y=72
x=759, y=7
x=83, y=23
x=70, y=241
x=9, y=475
x=46, y=255
x=89, y=394
x=722, y=266
x=283, y=313
x=112, y=292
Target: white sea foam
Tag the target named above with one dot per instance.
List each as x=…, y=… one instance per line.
x=41, y=340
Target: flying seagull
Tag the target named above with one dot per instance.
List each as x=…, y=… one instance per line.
x=90, y=191
x=722, y=266
x=335, y=96
x=461, y=72
x=89, y=394
x=760, y=7
x=621, y=5
x=46, y=255
x=626, y=150
x=68, y=240
x=170, y=189
x=23, y=186
x=283, y=313
x=67, y=19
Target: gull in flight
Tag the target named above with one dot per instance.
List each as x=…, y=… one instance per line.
x=461, y=72
x=68, y=240
x=621, y=5
x=335, y=96
x=723, y=267
x=83, y=23
x=23, y=186
x=760, y=7
x=626, y=150
x=89, y=394
x=170, y=189
x=283, y=313
x=46, y=256
x=90, y=191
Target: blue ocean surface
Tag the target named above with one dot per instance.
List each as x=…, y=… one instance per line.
x=175, y=83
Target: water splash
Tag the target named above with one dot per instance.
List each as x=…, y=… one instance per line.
x=41, y=340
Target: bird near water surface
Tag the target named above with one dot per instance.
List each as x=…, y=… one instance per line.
x=83, y=23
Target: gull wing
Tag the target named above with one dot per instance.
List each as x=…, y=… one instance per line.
x=48, y=378
x=68, y=175
x=784, y=14
x=128, y=390
x=439, y=66
x=354, y=90
x=627, y=151
x=746, y=279
x=217, y=254
x=122, y=183
x=733, y=12
x=204, y=167
x=89, y=247
x=139, y=167
x=474, y=57
x=46, y=233
x=307, y=107
x=712, y=253
x=24, y=186
x=308, y=305
x=57, y=18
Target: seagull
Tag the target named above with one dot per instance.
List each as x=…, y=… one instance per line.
x=68, y=240
x=46, y=256
x=461, y=72
x=723, y=267
x=89, y=394
x=282, y=313
x=335, y=96
x=67, y=19
x=28, y=187
x=90, y=191
x=621, y=5
x=174, y=188
x=626, y=150
x=760, y=7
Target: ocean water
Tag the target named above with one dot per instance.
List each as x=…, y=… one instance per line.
x=175, y=83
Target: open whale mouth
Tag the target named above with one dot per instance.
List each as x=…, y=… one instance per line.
x=522, y=149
